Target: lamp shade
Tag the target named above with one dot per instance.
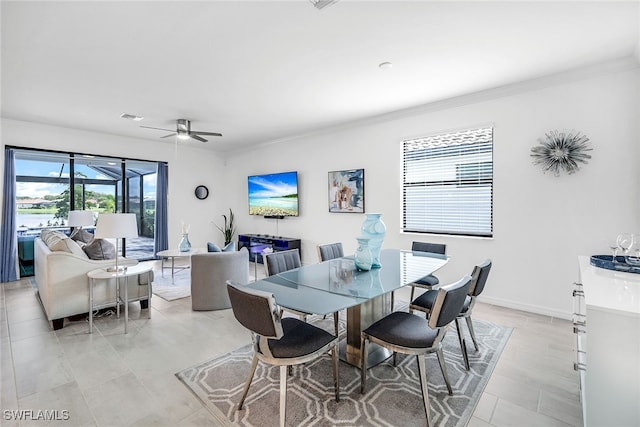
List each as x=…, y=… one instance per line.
x=80, y=219
x=116, y=225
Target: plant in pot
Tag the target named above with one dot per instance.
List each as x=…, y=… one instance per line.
x=229, y=228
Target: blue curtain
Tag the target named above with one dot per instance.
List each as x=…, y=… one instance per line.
x=161, y=241
x=9, y=245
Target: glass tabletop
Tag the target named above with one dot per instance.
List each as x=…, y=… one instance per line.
x=337, y=284
x=304, y=298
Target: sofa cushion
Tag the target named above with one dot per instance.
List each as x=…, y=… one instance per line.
x=68, y=245
x=80, y=235
x=212, y=247
x=51, y=237
x=100, y=249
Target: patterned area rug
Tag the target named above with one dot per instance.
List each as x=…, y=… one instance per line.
x=170, y=290
x=393, y=396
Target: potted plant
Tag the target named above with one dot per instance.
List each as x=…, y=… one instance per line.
x=229, y=228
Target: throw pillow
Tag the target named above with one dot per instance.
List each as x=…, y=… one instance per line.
x=51, y=237
x=81, y=235
x=212, y=247
x=100, y=249
x=67, y=245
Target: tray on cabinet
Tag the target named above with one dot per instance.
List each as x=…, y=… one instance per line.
x=622, y=263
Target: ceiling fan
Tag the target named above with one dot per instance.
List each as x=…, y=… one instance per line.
x=183, y=131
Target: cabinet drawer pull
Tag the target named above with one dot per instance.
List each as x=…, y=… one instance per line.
x=578, y=331
x=579, y=323
x=579, y=366
x=577, y=293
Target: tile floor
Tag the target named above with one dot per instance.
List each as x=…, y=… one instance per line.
x=112, y=379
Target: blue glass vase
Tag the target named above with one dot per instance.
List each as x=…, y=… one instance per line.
x=362, y=256
x=185, y=244
x=375, y=230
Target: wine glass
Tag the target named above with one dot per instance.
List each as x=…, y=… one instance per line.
x=625, y=242
x=613, y=245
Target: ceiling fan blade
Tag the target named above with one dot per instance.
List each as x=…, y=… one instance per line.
x=148, y=127
x=196, y=137
x=167, y=136
x=206, y=133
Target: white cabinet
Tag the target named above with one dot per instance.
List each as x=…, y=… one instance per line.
x=611, y=358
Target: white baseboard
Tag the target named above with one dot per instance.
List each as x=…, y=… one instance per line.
x=526, y=307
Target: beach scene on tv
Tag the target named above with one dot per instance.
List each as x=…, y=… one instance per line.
x=274, y=195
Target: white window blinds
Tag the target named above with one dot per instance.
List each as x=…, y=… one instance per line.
x=448, y=183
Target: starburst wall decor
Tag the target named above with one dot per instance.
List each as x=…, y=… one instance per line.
x=561, y=151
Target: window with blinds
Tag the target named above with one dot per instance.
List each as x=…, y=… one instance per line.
x=447, y=182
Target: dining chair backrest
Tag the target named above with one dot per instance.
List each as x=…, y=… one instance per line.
x=434, y=248
x=278, y=262
x=449, y=302
x=255, y=310
x=330, y=251
x=480, y=274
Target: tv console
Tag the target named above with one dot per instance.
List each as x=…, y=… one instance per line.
x=256, y=243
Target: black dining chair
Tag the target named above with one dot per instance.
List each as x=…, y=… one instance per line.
x=330, y=251
x=281, y=261
x=277, y=341
x=406, y=333
x=425, y=303
x=428, y=281
x=325, y=253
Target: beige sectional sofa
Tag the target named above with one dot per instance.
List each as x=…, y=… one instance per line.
x=63, y=286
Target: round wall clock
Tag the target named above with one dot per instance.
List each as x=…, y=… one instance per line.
x=202, y=192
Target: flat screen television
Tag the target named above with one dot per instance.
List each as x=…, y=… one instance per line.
x=274, y=195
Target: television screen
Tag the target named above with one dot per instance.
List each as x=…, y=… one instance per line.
x=274, y=195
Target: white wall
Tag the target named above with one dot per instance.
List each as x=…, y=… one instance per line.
x=189, y=166
x=541, y=222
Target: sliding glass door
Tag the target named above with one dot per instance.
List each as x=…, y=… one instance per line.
x=49, y=184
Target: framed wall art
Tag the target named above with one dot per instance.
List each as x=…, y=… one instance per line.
x=346, y=191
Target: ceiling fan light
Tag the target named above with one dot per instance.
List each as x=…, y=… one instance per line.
x=183, y=136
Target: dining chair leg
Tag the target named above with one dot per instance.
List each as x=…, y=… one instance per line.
x=443, y=368
x=413, y=288
x=363, y=364
x=463, y=345
x=393, y=298
x=422, y=372
x=336, y=380
x=473, y=334
x=283, y=393
x=335, y=323
x=252, y=370
x=395, y=358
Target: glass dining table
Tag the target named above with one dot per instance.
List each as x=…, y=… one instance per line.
x=336, y=284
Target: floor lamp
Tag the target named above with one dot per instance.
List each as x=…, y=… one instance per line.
x=116, y=226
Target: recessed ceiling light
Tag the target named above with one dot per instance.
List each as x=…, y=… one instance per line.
x=131, y=117
x=385, y=65
x=111, y=163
